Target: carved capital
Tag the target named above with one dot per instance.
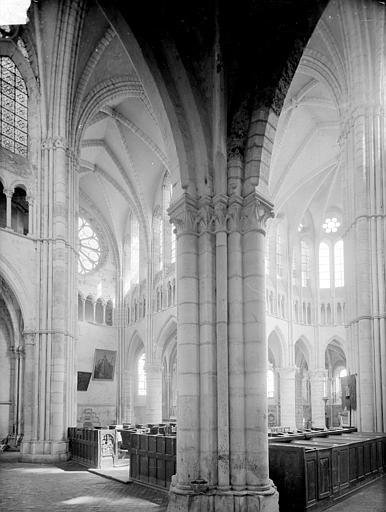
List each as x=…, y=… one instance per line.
x=54, y=143
x=234, y=213
x=184, y=215
x=8, y=192
x=220, y=203
x=47, y=143
x=205, y=215
x=29, y=338
x=20, y=352
x=30, y=200
x=256, y=211
x=59, y=143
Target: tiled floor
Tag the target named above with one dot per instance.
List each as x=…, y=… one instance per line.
x=70, y=487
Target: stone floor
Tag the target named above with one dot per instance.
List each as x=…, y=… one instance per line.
x=371, y=498
x=70, y=487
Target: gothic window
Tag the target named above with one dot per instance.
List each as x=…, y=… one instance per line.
x=305, y=263
x=13, y=106
x=19, y=211
x=141, y=375
x=324, y=265
x=331, y=225
x=338, y=264
x=89, y=247
x=339, y=373
x=270, y=383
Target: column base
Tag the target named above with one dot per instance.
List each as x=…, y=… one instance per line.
x=44, y=451
x=223, y=501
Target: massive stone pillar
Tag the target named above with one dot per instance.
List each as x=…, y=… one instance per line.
x=288, y=397
x=363, y=145
x=255, y=213
x=50, y=376
x=222, y=441
x=153, y=392
x=317, y=382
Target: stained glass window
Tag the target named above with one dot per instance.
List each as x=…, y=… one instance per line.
x=13, y=107
x=89, y=247
x=324, y=265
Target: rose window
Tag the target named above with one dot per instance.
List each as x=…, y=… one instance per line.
x=89, y=247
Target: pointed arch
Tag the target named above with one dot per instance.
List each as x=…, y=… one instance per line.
x=14, y=282
x=276, y=344
x=166, y=333
x=303, y=348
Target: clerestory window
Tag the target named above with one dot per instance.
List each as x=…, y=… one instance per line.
x=13, y=107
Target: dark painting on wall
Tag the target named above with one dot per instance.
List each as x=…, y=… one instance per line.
x=83, y=380
x=104, y=364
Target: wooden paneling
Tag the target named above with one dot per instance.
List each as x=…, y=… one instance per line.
x=310, y=472
x=152, y=458
x=324, y=473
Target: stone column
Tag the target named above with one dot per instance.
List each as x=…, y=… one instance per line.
x=317, y=381
x=222, y=441
x=236, y=345
x=364, y=240
x=363, y=149
x=184, y=216
x=29, y=392
x=30, y=201
x=8, y=194
x=153, y=392
x=287, y=397
x=256, y=211
x=93, y=310
x=209, y=413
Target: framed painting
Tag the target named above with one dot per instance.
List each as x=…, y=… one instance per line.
x=104, y=364
x=83, y=380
